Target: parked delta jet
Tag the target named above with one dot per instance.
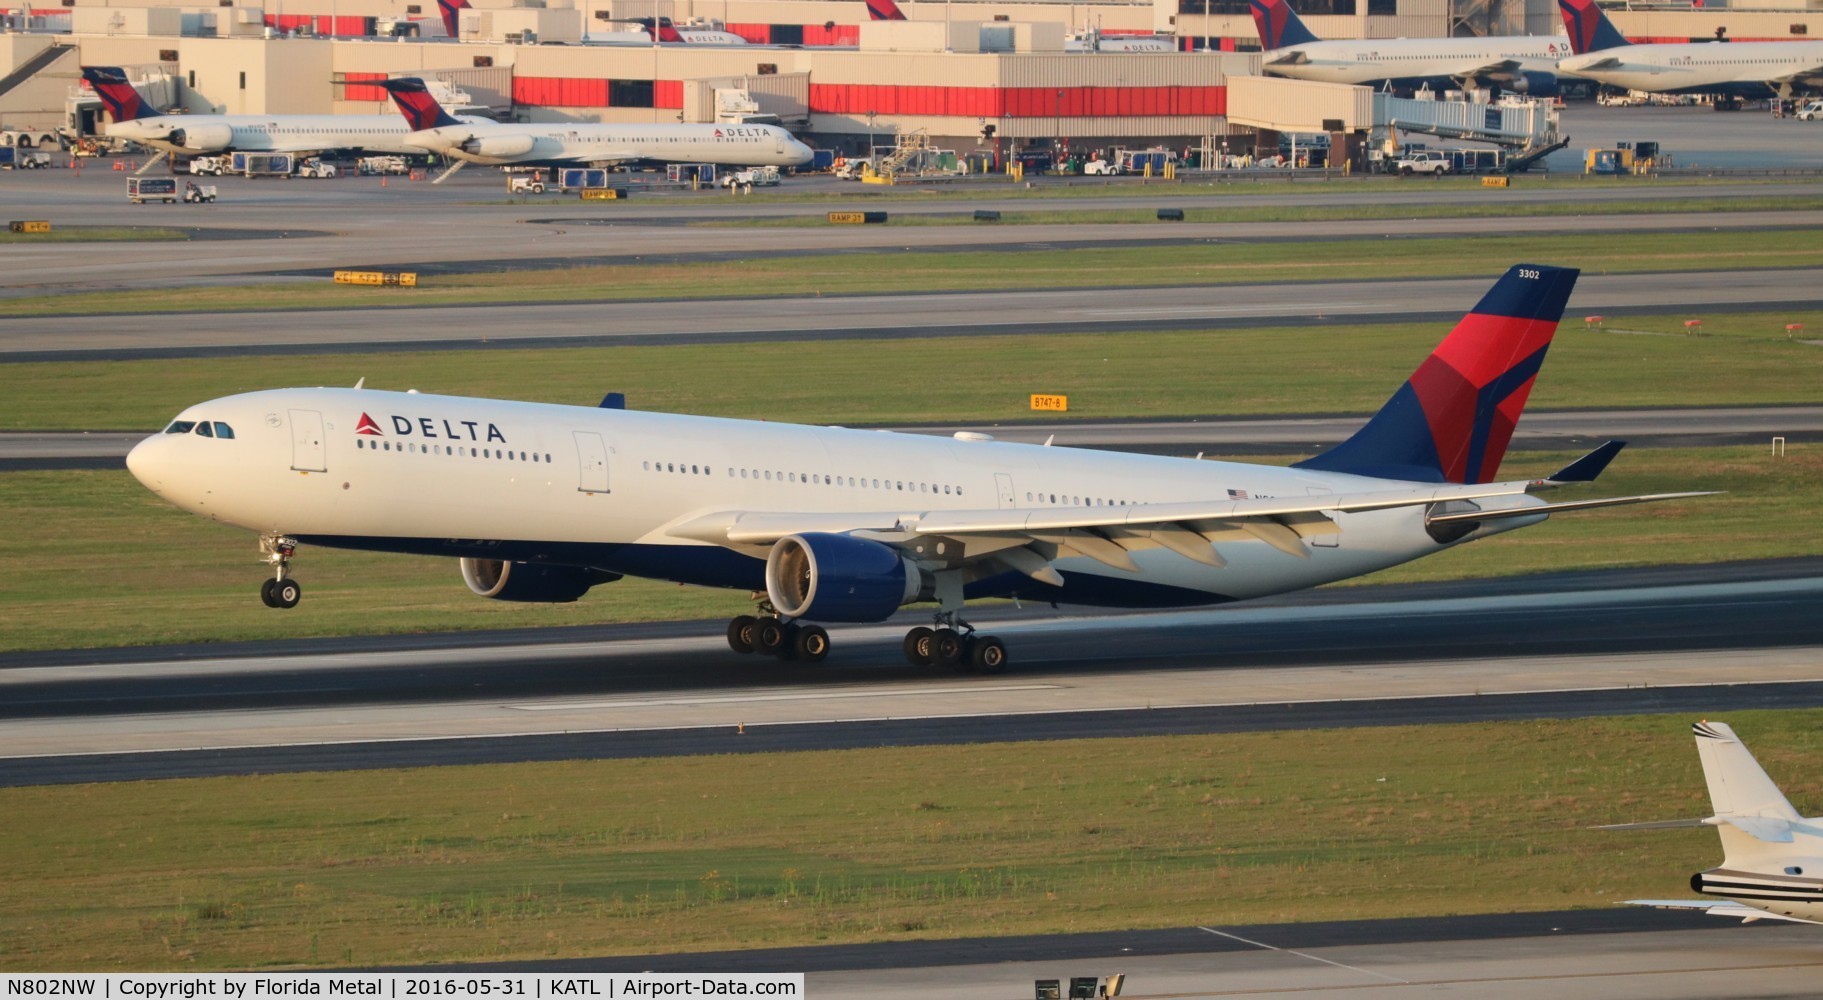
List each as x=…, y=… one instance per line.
x=495, y=143
x=134, y=118
x=1523, y=64
x=1750, y=70
x=541, y=502
x=1772, y=858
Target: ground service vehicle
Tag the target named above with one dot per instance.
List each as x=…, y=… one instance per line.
x=209, y=166
x=197, y=194
x=314, y=167
x=143, y=189
x=526, y=184
x=382, y=165
x=1425, y=161
x=23, y=158
x=1100, y=168
x=752, y=178
x=1810, y=112
x=261, y=164
x=31, y=138
x=573, y=178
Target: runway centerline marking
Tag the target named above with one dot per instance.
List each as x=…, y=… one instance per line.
x=1305, y=954
x=806, y=696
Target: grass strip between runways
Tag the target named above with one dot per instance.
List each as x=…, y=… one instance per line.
x=618, y=857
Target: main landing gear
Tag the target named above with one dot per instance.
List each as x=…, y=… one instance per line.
x=281, y=591
x=765, y=633
x=954, y=644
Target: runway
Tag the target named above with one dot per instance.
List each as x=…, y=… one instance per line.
x=1618, y=642
x=806, y=318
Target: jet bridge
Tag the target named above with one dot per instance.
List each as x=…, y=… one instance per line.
x=1527, y=129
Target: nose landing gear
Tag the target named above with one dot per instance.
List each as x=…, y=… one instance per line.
x=281, y=591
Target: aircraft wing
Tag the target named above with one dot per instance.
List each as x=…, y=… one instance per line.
x=595, y=156
x=1609, y=62
x=1719, y=908
x=1502, y=68
x=1810, y=77
x=1109, y=534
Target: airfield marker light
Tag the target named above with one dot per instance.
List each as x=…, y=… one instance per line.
x=1593, y=322
x=1793, y=328
x=1694, y=325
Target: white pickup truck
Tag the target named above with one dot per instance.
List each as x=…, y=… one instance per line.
x=751, y=178
x=1424, y=161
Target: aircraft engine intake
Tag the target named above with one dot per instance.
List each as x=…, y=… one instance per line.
x=1533, y=84
x=531, y=583
x=202, y=138
x=498, y=145
x=838, y=578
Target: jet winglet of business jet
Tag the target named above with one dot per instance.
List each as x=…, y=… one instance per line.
x=542, y=502
x=499, y=144
x=134, y=118
x=1523, y=64
x=1772, y=857
x=1750, y=70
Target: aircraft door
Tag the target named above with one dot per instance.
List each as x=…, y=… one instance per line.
x=591, y=462
x=307, y=451
x=1003, y=486
x=1327, y=539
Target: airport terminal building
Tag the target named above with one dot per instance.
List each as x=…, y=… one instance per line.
x=958, y=71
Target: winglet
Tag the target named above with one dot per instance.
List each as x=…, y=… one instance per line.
x=120, y=98
x=613, y=401
x=1589, y=28
x=1586, y=468
x=413, y=99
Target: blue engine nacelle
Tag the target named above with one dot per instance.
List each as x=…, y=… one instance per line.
x=838, y=578
x=1534, y=84
x=531, y=583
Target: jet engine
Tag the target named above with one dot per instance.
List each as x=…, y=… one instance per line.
x=532, y=583
x=202, y=138
x=839, y=578
x=498, y=145
x=1532, y=84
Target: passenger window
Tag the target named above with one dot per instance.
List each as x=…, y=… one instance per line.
x=202, y=428
x=223, y=431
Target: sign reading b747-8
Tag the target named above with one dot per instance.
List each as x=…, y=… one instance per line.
x=1060, y=404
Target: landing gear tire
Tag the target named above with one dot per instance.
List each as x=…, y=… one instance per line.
x=768, y=636
x=788, y=646
x=267, y=586
x=287, y=593
x=741, y=633
x=986, y=655
x=811, y=643
x=947, y=649
x=919, y=646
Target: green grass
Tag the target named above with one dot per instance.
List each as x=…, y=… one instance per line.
x=587, y=858
x=94, y=234
x=107, y=563
x=1316, y=213
x=1741, y=358
x=1122, y=267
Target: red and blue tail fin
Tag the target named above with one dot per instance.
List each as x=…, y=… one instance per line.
x=1590, y=30
x=1451, y=421
x=421, y=110
x=122, y=102
x=1279, y=25
x=452, y=15
x=884, y=10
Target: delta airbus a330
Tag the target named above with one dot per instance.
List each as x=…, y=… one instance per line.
x=542, y=502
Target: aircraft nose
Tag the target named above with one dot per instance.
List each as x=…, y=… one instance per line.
x=804, y=153
x=143, y=463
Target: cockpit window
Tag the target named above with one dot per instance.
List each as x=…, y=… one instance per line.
x=223, y=430
x=202, y=427
x=181, y=427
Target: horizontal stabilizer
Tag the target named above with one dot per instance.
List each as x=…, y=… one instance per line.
x=1552, y=508
x=1770, y=829
x=1586, y=468
x=1659, y=824
x=1739, y=911
x=1294, y=58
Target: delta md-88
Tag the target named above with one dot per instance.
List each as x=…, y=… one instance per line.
x=542, y=502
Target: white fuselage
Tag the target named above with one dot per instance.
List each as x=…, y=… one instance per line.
x=1371, y=60
x=1745, y=68
x=615, y=489
x=496, y=144
x=269, y=133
